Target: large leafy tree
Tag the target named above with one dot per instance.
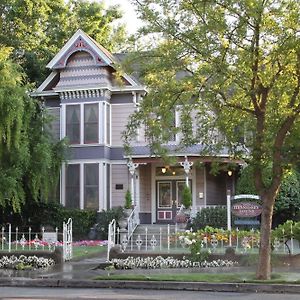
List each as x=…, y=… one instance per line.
x=29, y=159
x=37, y=29
x=237, y=64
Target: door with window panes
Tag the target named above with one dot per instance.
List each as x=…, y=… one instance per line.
x=169, y=194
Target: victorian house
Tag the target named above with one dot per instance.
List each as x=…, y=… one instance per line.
x=91, y=107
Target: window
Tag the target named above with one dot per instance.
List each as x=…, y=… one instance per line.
x=91, y=123
x=73, y=124
x=82, y=123
x=91, y=186
x=73, y=186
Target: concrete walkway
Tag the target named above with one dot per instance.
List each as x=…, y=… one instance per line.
x=81, y=274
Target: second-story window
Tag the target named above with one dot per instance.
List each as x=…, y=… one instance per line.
x=91, y=123
x=85, y=124
x=73, y=124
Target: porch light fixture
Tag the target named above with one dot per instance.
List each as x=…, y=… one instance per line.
x=163, y=170
x=229, y=172
x=174, y=173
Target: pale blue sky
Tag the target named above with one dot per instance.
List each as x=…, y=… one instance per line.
x=130, y=18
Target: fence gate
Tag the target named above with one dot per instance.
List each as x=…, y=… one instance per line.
x=67, y=240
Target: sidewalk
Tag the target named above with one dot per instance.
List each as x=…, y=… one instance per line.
x=81, y=274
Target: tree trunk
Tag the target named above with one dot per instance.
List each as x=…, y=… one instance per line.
x=263, y=270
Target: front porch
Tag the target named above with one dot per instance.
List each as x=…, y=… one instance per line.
x=157, y=188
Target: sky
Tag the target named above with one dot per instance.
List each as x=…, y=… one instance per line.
x=130, y=18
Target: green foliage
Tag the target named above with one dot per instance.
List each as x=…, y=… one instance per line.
x=29, y=159
x=104, y=218
x=288, y=199
x=37, y=29
x=128, y=200
x=186, y=197
x=52, y=214
x=214, y=217
x=287, y=230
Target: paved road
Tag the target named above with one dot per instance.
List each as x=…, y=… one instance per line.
x=11, y=293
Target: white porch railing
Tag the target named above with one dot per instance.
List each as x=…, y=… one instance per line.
x=132, y=222
x=111, y=240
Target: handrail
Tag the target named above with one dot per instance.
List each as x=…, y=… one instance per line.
x=132, y=222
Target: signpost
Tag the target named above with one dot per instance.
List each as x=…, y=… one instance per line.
x=247, y=209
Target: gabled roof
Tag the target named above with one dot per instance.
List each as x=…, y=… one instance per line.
x=80, y=41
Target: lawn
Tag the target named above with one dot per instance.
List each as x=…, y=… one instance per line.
x=87, y=251
x=293, y=278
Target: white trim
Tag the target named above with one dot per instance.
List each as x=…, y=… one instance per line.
x=104, y=186
x=99, y=187
x=153, y=195
x=194, y=189
x=81, y=133
x=137, y=189
x=65, y=48
x=45, y=83
x=56, y=91
x=81, y=186
x=63, y=184
x=63, y=122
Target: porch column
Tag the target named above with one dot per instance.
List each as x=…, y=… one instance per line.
x=132, y=167
x=187, y=167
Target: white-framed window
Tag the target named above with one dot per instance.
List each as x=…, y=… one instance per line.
x=85, y=185
x=87, y=123
x=72, y=186
x=91, y=123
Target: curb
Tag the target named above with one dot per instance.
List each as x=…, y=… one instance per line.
x=156, y=285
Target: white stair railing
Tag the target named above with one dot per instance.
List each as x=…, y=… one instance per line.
x=132, y=222
x=111, y=240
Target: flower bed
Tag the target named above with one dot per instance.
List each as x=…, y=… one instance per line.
x=25, y=262
x=162, y=263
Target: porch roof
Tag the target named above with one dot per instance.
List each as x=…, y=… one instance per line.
x=195, y=152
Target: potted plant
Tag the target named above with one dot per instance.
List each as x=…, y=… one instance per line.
x=187, y=198
x=181, y=219
x=128, y=204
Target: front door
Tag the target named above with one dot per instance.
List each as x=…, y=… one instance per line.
x=169, y=199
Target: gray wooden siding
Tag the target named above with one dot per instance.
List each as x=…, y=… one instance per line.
x=199, y=185
x=216, y=189
x=119, y=119
x=119, y=175
x=54, y=126
x=145, y=188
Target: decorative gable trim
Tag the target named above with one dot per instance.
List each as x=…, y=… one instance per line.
x=79, y=42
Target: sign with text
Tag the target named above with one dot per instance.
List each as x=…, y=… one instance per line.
x=50, y=237
x=246, y=209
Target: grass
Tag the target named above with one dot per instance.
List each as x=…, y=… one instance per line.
x=78, y=251
x=204, y=277
x=87, y=251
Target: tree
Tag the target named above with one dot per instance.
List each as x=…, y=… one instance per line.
x=29, y=159
x=37, y=29
x=288, y=198
x=239, y=61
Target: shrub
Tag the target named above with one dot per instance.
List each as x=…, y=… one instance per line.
x=100, y=229
x=215, y=217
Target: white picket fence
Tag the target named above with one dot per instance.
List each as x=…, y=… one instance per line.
x=13, y=239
